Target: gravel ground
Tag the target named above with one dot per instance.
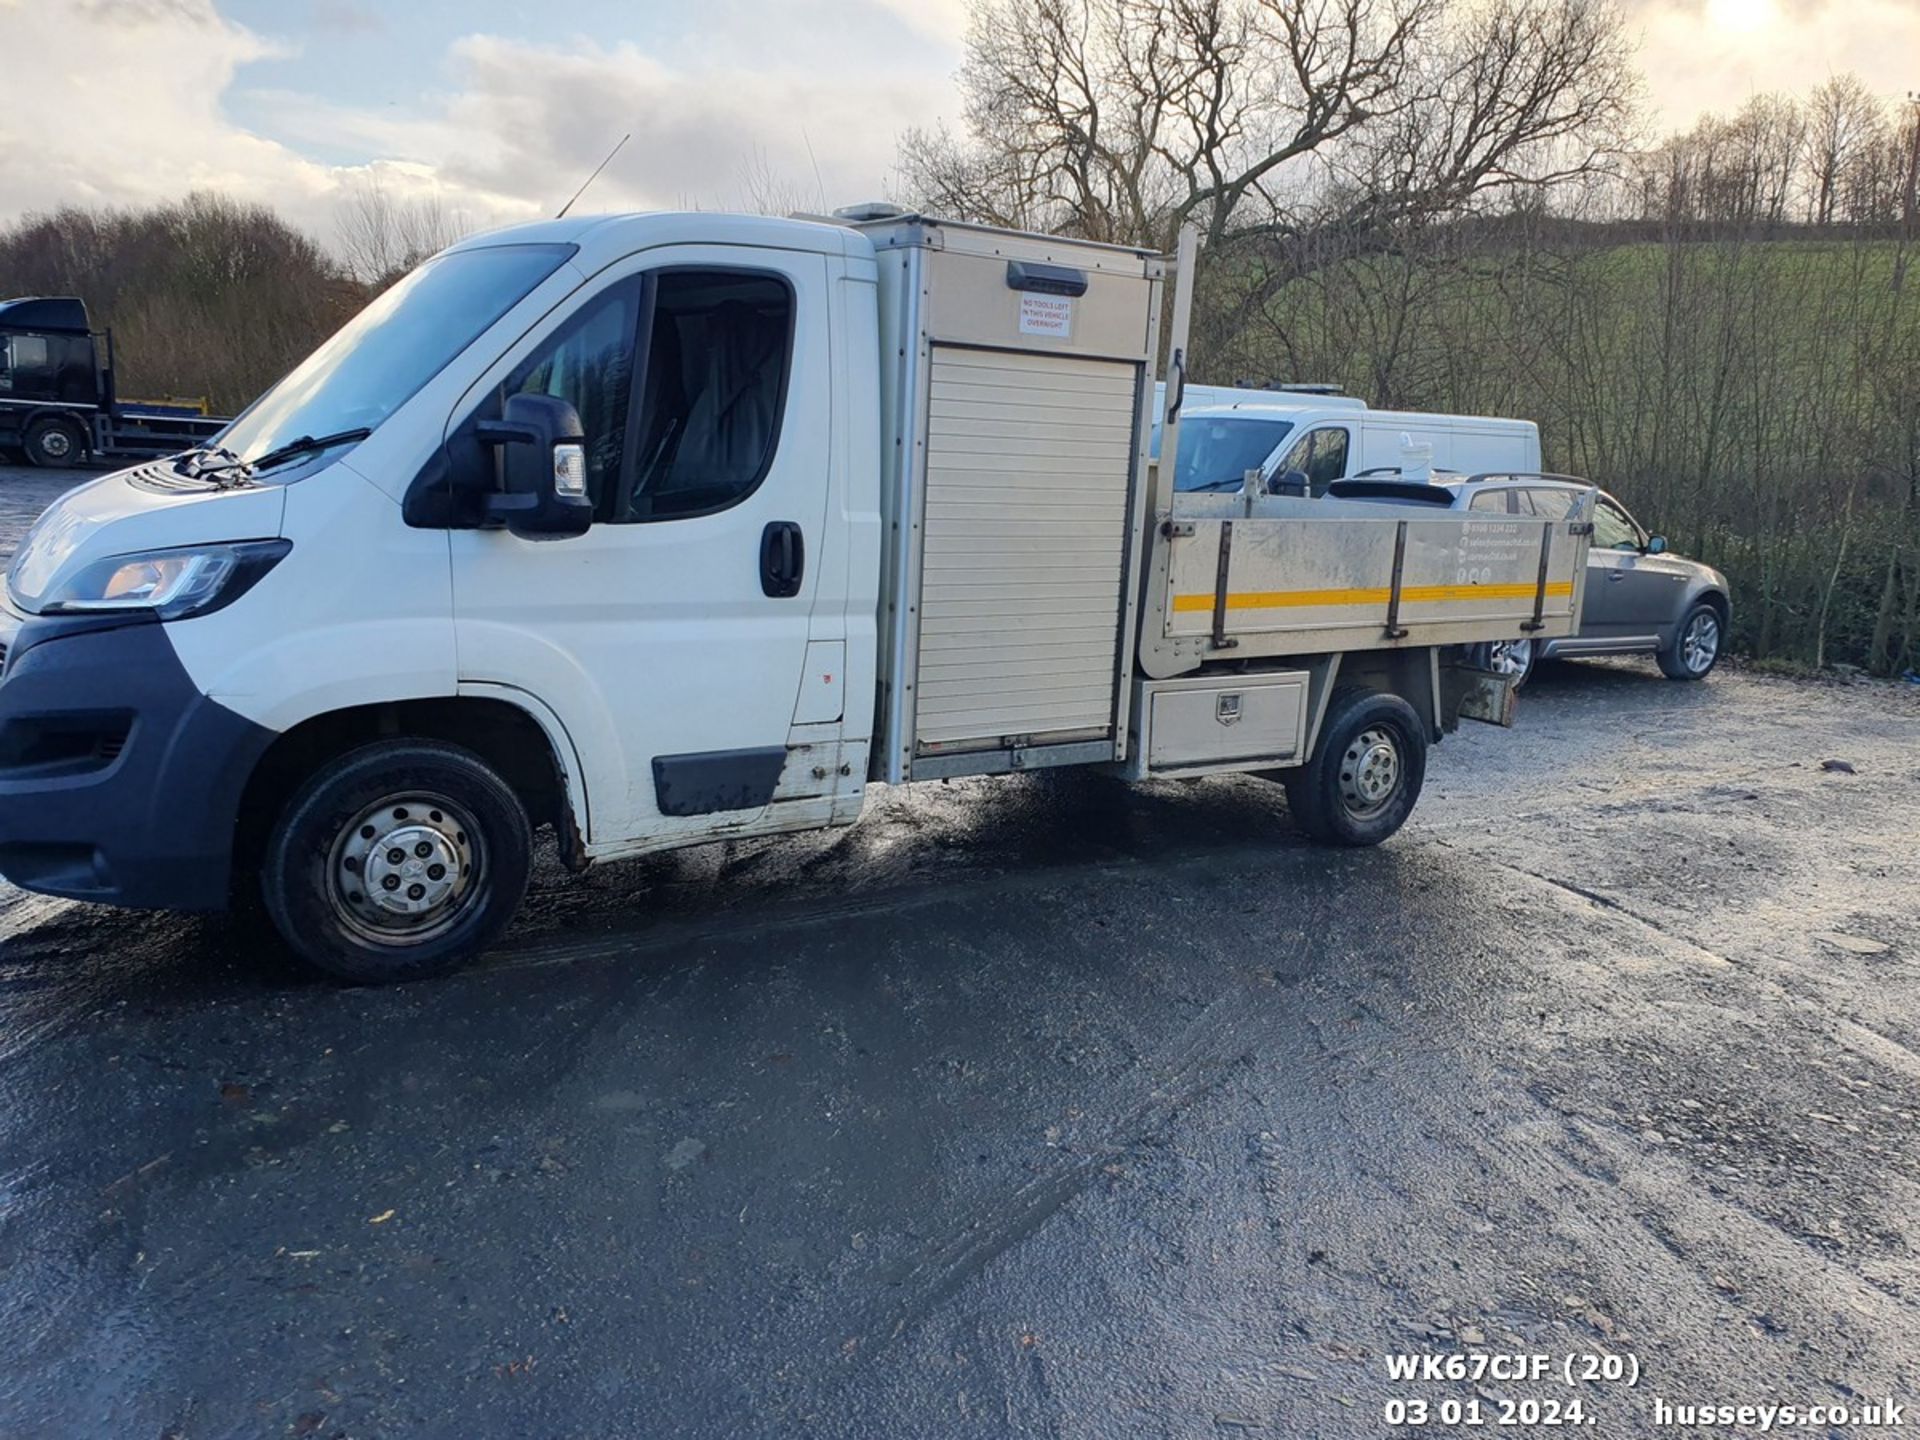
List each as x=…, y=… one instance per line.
x=1034, y=1106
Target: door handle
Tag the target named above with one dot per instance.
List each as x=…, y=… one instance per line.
x=1616, y=574
x=783, y=559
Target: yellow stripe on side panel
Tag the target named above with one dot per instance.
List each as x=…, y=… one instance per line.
x=1409, y=595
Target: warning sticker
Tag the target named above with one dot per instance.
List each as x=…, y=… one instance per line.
x=1050, y=315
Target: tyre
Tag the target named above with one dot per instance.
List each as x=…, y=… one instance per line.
x=1507, y=657
x=1696, y=644
x=397, y=861
x=1366, y=772
x=55, y=444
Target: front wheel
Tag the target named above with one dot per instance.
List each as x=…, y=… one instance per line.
x=1366, y=772
x=55, y=444
x=397, y=861
x=1696, y=645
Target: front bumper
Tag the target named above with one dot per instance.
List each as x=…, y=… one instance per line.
x=120, y=782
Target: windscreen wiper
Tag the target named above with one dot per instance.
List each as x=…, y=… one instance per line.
x=307, y=445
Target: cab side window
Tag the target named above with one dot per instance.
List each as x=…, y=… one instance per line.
x=588, y=363
x=718, y=352
x=1321, y=455
x=27, y=365
x=1613, y=528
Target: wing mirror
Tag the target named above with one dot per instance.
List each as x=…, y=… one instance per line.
x=1656, y=545
x=1294, y=482
x=543, y=468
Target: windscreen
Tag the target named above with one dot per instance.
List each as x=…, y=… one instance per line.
x=375, y=363
x=1216, y=451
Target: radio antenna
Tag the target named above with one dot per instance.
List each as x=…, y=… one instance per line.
x=595, y=176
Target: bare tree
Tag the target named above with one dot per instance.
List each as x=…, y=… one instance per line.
x=1265, y=119
x=383, y=235
x=1844, y=118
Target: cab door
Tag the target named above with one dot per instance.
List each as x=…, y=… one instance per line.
x=669, y=641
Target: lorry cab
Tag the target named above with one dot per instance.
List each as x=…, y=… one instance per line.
x=59, y=404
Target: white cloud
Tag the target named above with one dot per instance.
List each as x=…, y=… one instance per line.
x=511, y=132
x=1702, y=55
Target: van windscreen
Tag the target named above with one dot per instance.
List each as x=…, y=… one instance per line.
x=1216, y=451
x=377, y=361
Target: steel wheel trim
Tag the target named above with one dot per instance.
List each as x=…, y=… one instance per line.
x=55, y=443
x=1509, y=657
x=405, y=870
x=1370, y=771
x=1701, y=643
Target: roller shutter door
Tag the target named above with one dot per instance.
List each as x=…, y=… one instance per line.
x=1029, y=460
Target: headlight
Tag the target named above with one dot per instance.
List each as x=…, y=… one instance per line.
x=173, y=584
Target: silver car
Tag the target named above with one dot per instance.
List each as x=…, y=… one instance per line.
x=1641, y=599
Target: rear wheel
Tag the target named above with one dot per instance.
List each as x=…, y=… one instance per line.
x=55, y=444
x=399, y=860
x=1696, y=644
x=1507, y=657
x=1366, y=772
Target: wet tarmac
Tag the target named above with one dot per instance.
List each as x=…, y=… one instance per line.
x=1038, y=1106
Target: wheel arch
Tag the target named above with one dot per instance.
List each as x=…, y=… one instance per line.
x=1722, y=603
x=526, y=747
x=1412, y=674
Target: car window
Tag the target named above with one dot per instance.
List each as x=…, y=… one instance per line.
x=1553, y=504
x=1494, y=500
x=1321, y=454
x=1613, y=528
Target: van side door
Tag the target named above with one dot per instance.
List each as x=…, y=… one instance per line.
x=670, y=640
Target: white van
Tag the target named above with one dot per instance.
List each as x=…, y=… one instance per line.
x=1325, y=438
x=661, y=529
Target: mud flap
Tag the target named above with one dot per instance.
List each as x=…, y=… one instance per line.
x=1470, y=694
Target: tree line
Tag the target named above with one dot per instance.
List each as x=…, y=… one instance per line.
x=1447, y=205
x=1438, y=204
x=215, y=298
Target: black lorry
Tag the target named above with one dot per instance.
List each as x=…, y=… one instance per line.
x=58, y=404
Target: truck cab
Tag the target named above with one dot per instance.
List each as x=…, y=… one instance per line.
x=59, y=404
x=188, y=639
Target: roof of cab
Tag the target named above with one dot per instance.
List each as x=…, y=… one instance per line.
x=602, y=239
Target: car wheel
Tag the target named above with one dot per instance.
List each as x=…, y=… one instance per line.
x=397, y=861
x=1696, y=644
x=1513, y=658
x=1366, y=772
x=55, y=444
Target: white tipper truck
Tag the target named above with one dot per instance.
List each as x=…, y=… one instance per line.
x=660, y=529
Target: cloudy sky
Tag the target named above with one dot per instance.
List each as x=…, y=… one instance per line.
x=501, y=107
